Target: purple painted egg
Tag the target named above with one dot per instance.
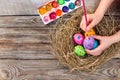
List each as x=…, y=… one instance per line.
x=89, y=43
x=78, y=39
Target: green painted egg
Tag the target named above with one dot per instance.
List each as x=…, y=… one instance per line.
x=79, y=51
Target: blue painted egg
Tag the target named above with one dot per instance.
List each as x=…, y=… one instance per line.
x=96, y=43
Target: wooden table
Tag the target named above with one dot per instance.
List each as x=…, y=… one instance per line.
x=25, y=48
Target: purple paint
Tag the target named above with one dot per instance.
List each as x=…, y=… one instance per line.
x=65, y=9
x=46, y=19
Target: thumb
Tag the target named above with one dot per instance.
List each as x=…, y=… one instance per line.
x=97, y=37
x=90, y=26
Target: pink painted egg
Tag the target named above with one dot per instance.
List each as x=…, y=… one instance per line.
x=78, y=39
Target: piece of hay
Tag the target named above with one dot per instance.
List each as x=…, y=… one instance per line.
x=62, y=43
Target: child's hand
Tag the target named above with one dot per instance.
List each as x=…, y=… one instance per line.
x=105, y=42
x=93, y=19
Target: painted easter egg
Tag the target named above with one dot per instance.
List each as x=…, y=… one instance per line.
x=96, y=43
x=88, y=43
x=79, y=51
x=78, y=39
x=90, y=33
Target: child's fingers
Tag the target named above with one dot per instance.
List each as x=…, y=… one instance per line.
x=97, y=37
x=82, y=24
x=95, y=52
x=90, y=26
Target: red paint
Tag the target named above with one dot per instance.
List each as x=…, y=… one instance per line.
x=54, y=4
x=53, y=15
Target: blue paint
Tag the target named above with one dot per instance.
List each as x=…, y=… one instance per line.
x=67, y=0
x=71, y=5
x=79, y=37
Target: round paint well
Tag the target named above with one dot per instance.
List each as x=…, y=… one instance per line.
x=53, y=15
x=55, y=4
x=42, y=10
x=67, y=0
x=46, y=18
x=61, y=2
x=59, y=12
x=65, y=9
x=71, y=5
x=48, y=6
x=78, y=2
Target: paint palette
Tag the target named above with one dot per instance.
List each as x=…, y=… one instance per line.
x=57, y=8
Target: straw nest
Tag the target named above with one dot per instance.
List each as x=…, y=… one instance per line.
x=63, y=45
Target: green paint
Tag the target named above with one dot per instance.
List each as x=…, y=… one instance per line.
x=79, y=51
x=61, y=2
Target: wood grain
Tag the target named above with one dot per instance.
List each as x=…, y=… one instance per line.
x=50, y=70
x=17, y=7
x=25, y=54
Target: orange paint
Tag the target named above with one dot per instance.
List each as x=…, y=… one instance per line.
x=42, y=10
x=59, y=12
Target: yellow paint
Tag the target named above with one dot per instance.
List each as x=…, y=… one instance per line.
x=49, y=6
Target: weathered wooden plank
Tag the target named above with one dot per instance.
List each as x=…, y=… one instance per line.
x=33, y=22
x=24, y=35
x=21, y=21
x=25, y=43
x=50, y=70
x=17, y=7
x=24, y=46
x=27, y=55
x=32, y=70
